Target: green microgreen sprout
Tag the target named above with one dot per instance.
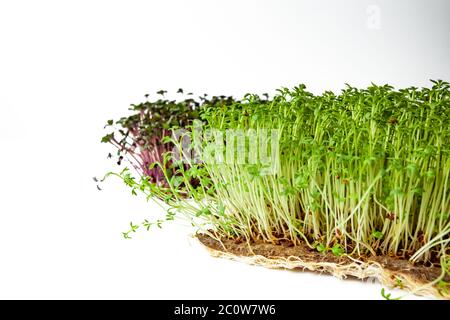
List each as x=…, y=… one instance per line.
x=388, y=296
x=132, y=229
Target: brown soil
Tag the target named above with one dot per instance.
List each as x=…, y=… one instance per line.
x=419, y=274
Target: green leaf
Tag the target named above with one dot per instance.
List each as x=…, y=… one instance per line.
x=377, y=234
x=337, y=250
x=321, y=248
x=177, y=181
x=125, y=235
x=166, y=139
x=107, y=138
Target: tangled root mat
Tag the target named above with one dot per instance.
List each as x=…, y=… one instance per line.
x=391, y=272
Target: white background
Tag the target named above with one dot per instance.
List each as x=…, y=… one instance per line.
x=68, y=66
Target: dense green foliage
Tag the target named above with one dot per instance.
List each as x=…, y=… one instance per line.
x=365, y=172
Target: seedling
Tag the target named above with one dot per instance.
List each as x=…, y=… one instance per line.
x=388, y=296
